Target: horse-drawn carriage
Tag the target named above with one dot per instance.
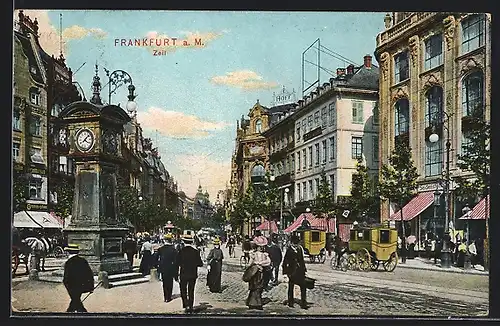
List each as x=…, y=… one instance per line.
x=313, y=241
x=370, y=246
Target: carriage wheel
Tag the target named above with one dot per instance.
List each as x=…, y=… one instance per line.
x=58, y=252
x=390, y=264
x=15, y=263
x=344, y=263
x=375, y=264
x=333, y=261
x=364, y=259
x=352, y=262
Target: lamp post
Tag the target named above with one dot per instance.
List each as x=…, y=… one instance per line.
x=434, y=138
x=281, y=209
x=272, y=178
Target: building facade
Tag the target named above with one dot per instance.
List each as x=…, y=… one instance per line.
x=335, y=126
x=29, y=121
x=432, y=63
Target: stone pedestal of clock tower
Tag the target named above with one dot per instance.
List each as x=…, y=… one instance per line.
x=95, y=132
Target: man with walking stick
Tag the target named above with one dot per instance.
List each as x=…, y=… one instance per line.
x=78, y=278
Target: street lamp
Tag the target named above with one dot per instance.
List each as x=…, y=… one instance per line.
x=281, y=209
x=434, y=138
x=116, y=79
x=308, y=210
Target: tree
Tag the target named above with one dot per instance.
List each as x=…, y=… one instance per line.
x=237, y=215
x=19, y=191
x=325, y=205
x=65, y=193
x=365, y=200
x=475, y=158
x=398, y=181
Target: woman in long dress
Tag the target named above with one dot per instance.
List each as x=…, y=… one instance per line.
x=260, y=258
x=214, y=260
x=146, y=260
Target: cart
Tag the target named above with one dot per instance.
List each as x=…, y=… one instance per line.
x=370, y=246
x=313, y=241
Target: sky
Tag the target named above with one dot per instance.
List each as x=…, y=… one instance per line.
x=190, y=98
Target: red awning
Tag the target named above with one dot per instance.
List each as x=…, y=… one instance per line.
x=415, y=207
x=316, y=223
x=265, y=226
x=479, y=211
x=345, y=232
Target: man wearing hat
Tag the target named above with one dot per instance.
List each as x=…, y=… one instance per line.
x=214, y=261
x=78, y=278
x=167, y=266
x=188, y=261
x=294, y=267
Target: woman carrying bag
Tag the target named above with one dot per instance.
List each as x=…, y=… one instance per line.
x=259, y=259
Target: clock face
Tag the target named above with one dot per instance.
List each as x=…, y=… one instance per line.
x=85, y=140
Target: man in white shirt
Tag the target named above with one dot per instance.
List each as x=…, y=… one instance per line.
x=473, y=253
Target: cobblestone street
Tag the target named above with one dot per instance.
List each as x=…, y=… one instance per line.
x=403, y=292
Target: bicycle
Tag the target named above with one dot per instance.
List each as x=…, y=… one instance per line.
x=343, y=263
x=244, y=261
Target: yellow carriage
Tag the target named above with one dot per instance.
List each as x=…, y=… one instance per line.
x=371, y=245
x=314, y=242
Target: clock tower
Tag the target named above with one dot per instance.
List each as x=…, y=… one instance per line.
x=95, y=132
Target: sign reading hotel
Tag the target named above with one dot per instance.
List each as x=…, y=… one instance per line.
x=284, y=97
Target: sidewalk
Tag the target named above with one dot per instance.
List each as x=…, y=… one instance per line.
x=428, y=264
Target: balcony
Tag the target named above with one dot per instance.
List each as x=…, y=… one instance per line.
x=400, y=28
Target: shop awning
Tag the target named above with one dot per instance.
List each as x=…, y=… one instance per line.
x=36, y=220
x=266, y=225
x=316, y=223
x=415, y=207
x=479, y=212
x=345, y=232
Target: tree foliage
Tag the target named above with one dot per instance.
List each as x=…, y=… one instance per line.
x=19, y=191
x=475, y=158
x=325, y=205
x=398, y=182
x=65, y=192
x=365, y=199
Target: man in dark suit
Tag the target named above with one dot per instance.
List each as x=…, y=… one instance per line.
x=188, y=261
x=168, y=266
x=276, y=256
x=294, y=267
x=78, y=279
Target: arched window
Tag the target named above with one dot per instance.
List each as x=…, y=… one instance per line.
x=258, y=171
x=402, y=117
x=258, y=126
x=472, y=95
x=434, y=106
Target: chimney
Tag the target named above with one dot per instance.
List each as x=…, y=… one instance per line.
x=350, y=69
x=340, y=71
x=368, y=61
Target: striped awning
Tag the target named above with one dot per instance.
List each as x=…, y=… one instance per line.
x=415, y=207
x=266, y=225
x=316, y=223
x=479, y=212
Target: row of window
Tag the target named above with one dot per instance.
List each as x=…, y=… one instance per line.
x=35, y=123
x=308, y=190
x=280, y=142
x=473, y=31
x=314, y=120
x=472, y=105
x=327, y=150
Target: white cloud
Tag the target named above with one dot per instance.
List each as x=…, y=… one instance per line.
x=199, y=169
x=243, y=79
x=177, y=124
x=49, y=33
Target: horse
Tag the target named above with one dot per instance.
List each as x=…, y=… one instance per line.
x=20, y=254
x=40, y=247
